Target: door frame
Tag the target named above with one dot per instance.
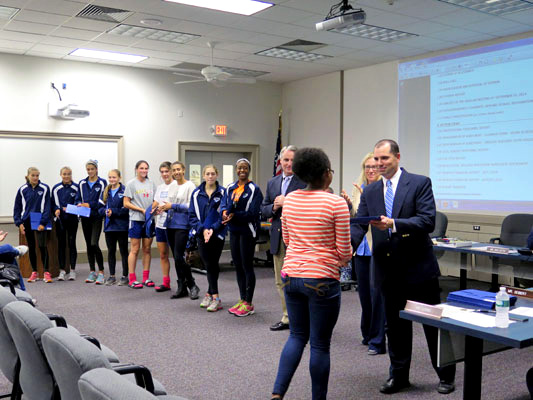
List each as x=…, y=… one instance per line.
x=252, y=149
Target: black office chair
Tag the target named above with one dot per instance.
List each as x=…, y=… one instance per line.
x=515, y=230
x=441, y=224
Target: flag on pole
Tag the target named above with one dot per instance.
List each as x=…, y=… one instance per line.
x=277, y=161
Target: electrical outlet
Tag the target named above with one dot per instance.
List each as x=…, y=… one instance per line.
x=476, y=227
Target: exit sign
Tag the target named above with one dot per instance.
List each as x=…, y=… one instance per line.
x=220, y=130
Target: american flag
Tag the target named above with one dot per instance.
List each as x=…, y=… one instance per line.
x=277, y=161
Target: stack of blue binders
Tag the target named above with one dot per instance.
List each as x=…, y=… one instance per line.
x=476, y=298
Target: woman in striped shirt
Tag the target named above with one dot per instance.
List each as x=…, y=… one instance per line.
x=316, y=231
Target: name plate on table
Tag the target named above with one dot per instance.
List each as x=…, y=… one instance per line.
x=423, y=309
x=498, y=250
x=524, y=293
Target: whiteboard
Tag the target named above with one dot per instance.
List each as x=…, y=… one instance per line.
x=49, y=153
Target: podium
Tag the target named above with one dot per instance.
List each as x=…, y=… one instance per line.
x=53, y=264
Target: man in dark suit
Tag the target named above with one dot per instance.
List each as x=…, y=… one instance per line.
x=277, y=188
x=405, y=266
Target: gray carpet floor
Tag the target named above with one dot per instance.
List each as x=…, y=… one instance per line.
x=201, y=355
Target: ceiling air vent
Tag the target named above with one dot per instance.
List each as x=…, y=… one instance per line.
x=107, y=14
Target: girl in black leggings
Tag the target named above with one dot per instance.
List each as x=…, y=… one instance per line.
x=91, y=189
x=240, y=211
x=33, y=202
x=206, y=224
x=116, y=220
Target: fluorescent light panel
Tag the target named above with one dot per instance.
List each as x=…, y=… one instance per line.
x=8, y=12
x=108, y=55
x=295, y=55
x=374, y=32
x=494, y=7
x=243, y=7
x=152, y=34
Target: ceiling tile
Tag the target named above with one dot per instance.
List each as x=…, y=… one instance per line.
x=56, y=41
x=41, y=17
x=420, y=9
x=391, y=20
x=316, y=6
x=116, y=39
x=11, y=44
x=34, y=53
x=461, y=17
x=21, y=37
x=494, y=24
x=283, y=14
x=29, y=27
x=424, y=27
x=89, y=24
x=72, y=33
x=46, y=48
x=62, y=7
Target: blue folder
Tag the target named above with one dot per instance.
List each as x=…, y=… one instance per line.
x=365, y=220
x=477, y=298
x=78, y=210
x=35, y=221
x=148, y=222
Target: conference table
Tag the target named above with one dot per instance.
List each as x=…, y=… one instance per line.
x=461, y=341
x=525, y=269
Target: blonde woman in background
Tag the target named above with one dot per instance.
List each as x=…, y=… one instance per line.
x=372, y=309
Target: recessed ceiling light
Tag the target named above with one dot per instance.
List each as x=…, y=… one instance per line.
x=374, y=32
x=108, y=55
x=494, y=7
x=8, y=12
x=153, y=34
x=295, y=55
x=151, y=22
x=243, y=7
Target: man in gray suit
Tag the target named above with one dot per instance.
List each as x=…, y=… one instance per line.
x=277, y=188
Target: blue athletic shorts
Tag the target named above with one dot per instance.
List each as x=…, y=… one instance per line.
x=161, y=235
x=138, y=231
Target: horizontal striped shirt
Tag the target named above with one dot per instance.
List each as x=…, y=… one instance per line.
x=316, y=231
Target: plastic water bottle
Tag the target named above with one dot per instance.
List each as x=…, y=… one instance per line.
x=502, y=308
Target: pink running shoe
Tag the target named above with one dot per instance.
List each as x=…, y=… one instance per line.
x=47, y=277
x=244, y=310
x=33, y=277
x=234, y=309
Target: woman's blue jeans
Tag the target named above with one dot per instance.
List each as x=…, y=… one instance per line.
x=313, y=306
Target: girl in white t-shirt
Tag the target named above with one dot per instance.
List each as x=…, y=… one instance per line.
x=178, y=230
x=160, y=199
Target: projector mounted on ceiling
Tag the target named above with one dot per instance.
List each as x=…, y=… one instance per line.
x=340, y=16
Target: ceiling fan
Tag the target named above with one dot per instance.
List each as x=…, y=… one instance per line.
x=211, y=74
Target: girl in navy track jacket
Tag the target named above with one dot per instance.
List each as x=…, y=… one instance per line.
x=64, y=193
x=91, y=189
x=241, y=209
x=34, y=197
x=116, y=223
x=206, y=223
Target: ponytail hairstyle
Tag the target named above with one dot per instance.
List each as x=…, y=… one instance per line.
x=108, y=187
x=30, y=170
x=213, y=166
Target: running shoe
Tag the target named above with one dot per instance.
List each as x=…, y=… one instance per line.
x=244, y=310
x=33, y=277
x=91, y=278
x=206, y=301
x=72, y=275
x=123, y=281
x=61, y=276
x=215, y=305
x=100, y=279
x=234, y=309
x=47, y=277
x=21, y=249
x=110, y=281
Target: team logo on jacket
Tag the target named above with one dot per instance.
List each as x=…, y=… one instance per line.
x=245, y=195
x=40, y=192
x=121, y=195
x=97, y=189
x=216, y=199
x=73, y=194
